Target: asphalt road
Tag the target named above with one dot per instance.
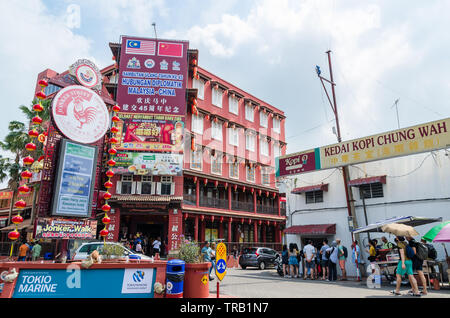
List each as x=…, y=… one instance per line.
x=254, y=283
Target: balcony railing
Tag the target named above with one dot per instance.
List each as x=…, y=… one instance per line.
x=214, y=203
x=266, y=209
x=242, y=206
x=190, y=199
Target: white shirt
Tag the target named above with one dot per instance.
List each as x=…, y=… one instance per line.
x=156, y=244
x=309, y=250
x=138, y=247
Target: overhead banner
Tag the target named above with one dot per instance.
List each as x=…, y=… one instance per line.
x=75, y=179
x=149, y=132
x=407, y=141
x=152, y=76
x=65, y=229
x=167, y=164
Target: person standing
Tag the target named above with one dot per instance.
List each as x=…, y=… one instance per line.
x=386, y=244
x=309, y=251
x=156, y=246
x=372, y=251
x=293, y=262
x=417, y=264
x=342, y=259
x=324, y=262
x=356, y=259
x=23, y=250
x=332, y=261
x=404, y=266
x=36, y=251
x=138, y=247
x=206, y=253
x=285, y=261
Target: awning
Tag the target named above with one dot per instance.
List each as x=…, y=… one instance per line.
x=407, y=220
x=24, y=225
x=369, y=180
x=323, y=187
x=317, y=229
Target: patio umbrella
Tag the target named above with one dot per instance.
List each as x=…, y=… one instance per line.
x=399, y=229
x=439, y=233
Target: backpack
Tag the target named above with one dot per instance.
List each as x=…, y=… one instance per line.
x=421, y=251
x=432, y=253
x=409, y=251
x=345, y=251
x=328, y=253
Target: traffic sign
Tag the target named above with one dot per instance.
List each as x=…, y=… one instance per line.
x=221, y=261
x=205, y=279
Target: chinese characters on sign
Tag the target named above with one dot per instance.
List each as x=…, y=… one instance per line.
x=65, y=228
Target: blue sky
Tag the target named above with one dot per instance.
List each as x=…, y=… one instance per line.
x=381, y=51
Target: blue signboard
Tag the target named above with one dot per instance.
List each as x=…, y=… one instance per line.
x=75, y=179
x=221, y=266
x=90, y=283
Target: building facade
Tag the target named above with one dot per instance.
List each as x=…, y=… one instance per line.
x=414, y=185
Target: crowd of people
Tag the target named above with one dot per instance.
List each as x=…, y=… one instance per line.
x=29, y=251
x=145, y=245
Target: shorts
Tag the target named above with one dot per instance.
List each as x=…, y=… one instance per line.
x=417, y=264
x=324, y=263
x=342, y=263
x=408, y=270
x=293, y=260
x=310, y=265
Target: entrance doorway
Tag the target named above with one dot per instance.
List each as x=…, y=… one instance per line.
x=316, y=241
x=151, y=232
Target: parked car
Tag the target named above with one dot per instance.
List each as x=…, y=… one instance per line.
x=85, y=249
x=260, y=257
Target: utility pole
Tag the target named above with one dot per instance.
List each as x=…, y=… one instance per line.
x=345, y=172
x=396, y=108
x=154, y=27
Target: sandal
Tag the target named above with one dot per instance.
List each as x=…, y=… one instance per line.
x=393, y=292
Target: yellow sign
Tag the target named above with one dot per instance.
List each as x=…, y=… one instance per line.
x=221, y=261
x=205, y=279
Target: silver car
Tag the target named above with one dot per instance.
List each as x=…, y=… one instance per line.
x=86, y=249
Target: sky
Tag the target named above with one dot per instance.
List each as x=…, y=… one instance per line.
x=381, y=51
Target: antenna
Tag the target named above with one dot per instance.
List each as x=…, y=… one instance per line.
x=154, y=27
x=396, y=108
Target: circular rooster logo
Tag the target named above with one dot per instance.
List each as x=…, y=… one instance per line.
x=80, y=114
x=86, y=75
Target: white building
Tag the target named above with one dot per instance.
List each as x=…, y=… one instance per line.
x=414, y=185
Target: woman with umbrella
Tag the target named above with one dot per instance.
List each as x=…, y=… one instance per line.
x=404, y=265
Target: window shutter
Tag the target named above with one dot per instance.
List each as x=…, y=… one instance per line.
x=153, y=190
x=138, y=187
x=119, y=187
x=133, y=187
x=158, y=188
x=172, y=188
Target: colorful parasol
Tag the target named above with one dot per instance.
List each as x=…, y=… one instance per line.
x=439, y=233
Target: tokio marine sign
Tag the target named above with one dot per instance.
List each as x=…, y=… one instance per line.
x=80, y=114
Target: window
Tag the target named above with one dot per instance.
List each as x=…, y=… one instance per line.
x=216, y=131
x=217, y=97
x=233, y=136
x=263, y=119
x=250, y=142
x=371, y=190
x=166, y=185
x=234, y=170
x=314, y=196
x=250, y=173
x=233, y=105
x=146, y=185
x=265, y=176
x=276, y=125
x=197, y=124
x=249, y=112
x=216, y=164
x=199, y=84
x=276, y=150
x=263, y=146
x=126, y=184
x=50, y=89
x=196, y=158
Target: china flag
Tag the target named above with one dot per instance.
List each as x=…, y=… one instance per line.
x=170, y=49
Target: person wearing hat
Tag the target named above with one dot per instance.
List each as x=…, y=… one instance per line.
x=332, y=255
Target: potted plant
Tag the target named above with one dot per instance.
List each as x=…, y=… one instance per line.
x=111, y=251
x=196, y=277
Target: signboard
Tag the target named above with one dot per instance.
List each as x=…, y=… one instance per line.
x=86, y=73
x=80, y=114
x=168, y=164
x=221, y=261
x=152, y=76
x=411, y=140
x=149, y=132
x=175, y=229
x=75, y=179
x=4, y=195
x=92, y=283
x=65, y=229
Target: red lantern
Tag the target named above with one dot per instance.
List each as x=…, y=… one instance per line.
x=106, y=208
x=24, y=189
x=108, y=184
x=112, y=151
x=38, y=107
x=43, y=83
x=115, y=119
x=113, y=140
x=226, y=124
x=207, y=117
x=28, y=160
x=17, y=219
x=116, y=108
x=114, y=130
x=106, y=220
x=107, y=196
x=41, y=95
x=26, y=174
x=243, y=189
x=21, y=204
x=205, y=181
x=33, y=133
x=30, y=146
x=111, y=163
x=14, y=235
x=110, y=173
x=104, y=232
x=36, y=120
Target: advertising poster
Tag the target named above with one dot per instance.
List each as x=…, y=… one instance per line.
x=167, y=164
x=75, y=179
x=65, y=229
x=152, y=76
x=149, y=132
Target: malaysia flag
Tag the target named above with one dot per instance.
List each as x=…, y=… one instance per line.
x=170, y=49
x=140, y=47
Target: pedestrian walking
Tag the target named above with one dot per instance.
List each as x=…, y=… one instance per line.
x=417, y=262
x=309, y=251
x=156, y=246
x=213, y=255
x=293, y=261
x=332, y=261
x=138, y=247
x=206, y=253
x=342, y=257
x=36, y=251
x=404, y=266
x=324, y=261
x=285, y=261
x=23, y=249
